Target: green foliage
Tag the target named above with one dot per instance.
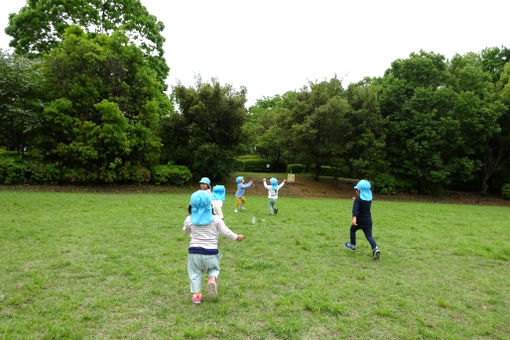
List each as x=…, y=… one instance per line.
x=171, y=174
x=15, y=170
x=105, y=103
x=41, y=25
x=505, y=191
x=206, y=131
x=327, y=170
x=385, y=184
x=20, y=101
x=296, y=168
x=253, y=163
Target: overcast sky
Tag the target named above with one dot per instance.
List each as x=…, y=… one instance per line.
x=273, y=46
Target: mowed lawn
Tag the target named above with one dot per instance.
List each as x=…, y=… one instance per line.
x=102, y=265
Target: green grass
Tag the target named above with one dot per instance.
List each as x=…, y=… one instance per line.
x=102, y=265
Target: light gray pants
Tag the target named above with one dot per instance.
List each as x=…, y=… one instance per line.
x=272, y=205
x=199, y=264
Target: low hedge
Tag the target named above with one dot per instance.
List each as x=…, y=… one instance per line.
x=251, y=163
x=296, y=168
x=171, y=174
x=505, y=191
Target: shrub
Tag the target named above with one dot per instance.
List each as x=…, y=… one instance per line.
x=505, y=191
x=14, y=171
x=253, y=163
x=171, y=174
x=327, y=170
x=78, y=176
x=385, y=184
x=296, y=168
x=44, y=173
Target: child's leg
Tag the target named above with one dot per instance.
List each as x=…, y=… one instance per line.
x=353, y=234
x=367, y=230
x=238, y=202
x=270, y=205
x=195, y=272
x=243, y=200
x=213, y=270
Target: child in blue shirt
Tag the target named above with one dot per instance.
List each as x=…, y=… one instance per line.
x=362, y=217
x=241, y=186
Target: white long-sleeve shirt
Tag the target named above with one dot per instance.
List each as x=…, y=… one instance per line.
x=206, y=236
x=272, y=193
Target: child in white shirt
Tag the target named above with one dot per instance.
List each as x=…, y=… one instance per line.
x=272, y=195
x=218, y=197
x=203, y=253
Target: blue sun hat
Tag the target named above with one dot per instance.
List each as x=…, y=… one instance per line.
x=218, y=192
x=205, y=180
x=201, y=211
x=238, y=179
x=364, y=188
x=274, y=183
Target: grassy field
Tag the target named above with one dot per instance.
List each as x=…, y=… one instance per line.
x=102, y=265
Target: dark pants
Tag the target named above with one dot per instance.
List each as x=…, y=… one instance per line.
x=367, y=230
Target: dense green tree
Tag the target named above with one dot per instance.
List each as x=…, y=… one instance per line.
x=105, y=104
x=205, y=131
x=315, y=123
x=364, y=150
x=263, y=132
x=20, y=103
x=40, y=25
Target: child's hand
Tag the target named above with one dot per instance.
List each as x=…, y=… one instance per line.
x=264, y=179
x=284, y=181
x=240, y=238
x=354, y=222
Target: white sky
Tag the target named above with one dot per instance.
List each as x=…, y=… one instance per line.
x=274, y=46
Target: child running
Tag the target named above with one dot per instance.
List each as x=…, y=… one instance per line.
x=272, y=193
x=241, y=186
x=218, y=197
x=203, y=253
x=205, y=184
x=362, y=218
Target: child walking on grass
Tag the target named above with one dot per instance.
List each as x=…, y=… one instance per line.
x=362, y=217
x=241, y=186
x=203, y=253
x=205, y=184
x=272, y=193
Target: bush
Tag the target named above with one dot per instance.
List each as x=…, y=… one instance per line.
x=78, y=176
x=252, y=163
x=296, y=168
x=505, y=191
x=14, y=171
x=385, y=184
x=327, y=170
x=44, y=173
x=171, y=174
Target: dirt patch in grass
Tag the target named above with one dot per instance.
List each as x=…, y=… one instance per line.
x=304, y=186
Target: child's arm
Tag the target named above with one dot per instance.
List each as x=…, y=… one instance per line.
x=226, y=232
x=187, y=226
x=282, y=184
x=265, y=184
x=355, y=211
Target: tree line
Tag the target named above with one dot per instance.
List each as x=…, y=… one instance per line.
x=83, y=97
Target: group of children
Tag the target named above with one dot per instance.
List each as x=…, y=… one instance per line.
x=206, y=222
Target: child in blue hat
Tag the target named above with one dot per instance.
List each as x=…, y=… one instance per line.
x=241, y=186
x=218, y=197
x=272, y=193
x=205, y=184
x=362, y=217
x=203, y=254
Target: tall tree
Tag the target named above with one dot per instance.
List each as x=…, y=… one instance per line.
x=205, y=131
x=40, y=25
x=105, y=104
x=20, y=100
x=315, y=123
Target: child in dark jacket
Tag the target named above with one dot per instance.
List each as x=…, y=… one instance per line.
x=362, y=217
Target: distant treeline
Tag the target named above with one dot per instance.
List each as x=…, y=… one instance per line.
x=87, y=104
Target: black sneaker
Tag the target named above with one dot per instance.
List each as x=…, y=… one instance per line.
x=376, y=253
x=349, y=246
x=275, y=211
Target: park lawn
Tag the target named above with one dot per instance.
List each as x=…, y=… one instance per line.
x=103, y=265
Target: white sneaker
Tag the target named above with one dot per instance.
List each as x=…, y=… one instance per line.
x=235, y=210
x=242, y=208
